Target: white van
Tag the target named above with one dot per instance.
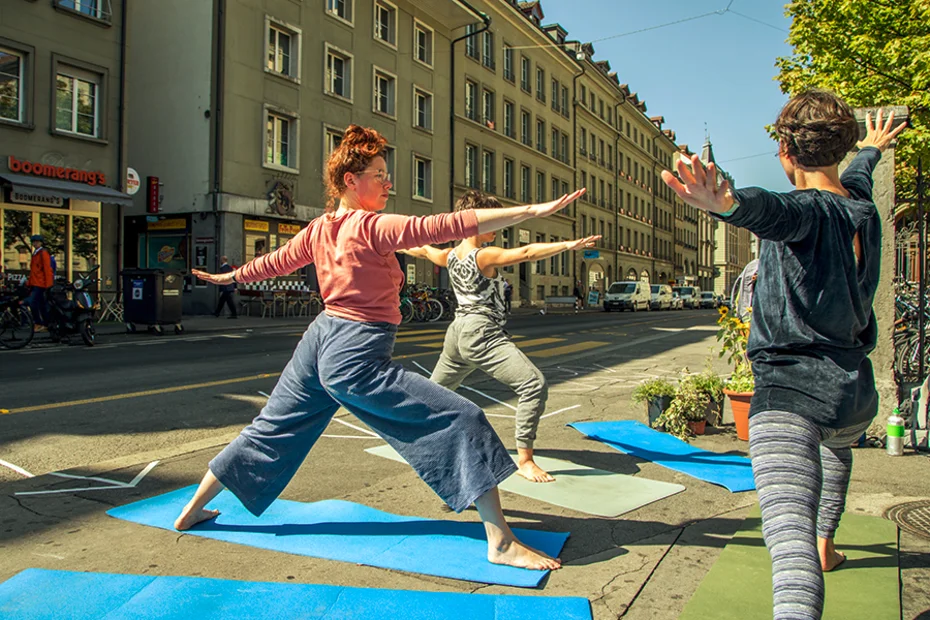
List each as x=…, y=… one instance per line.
x=690, y=295
x=628, y=296
x=661, y=297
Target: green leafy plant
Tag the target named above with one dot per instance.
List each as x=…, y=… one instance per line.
x=689, y=405
x=652, y=389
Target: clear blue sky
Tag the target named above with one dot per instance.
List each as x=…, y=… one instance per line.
x=717, y=70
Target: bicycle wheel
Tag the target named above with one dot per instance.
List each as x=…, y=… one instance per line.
x=16, y=328
x=433, y=310
x=406, y=311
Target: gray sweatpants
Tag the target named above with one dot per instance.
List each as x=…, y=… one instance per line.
x=473, y=342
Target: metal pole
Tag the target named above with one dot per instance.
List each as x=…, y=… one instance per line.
x=922, y=271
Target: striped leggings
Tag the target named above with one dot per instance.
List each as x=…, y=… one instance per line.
x=801, y=472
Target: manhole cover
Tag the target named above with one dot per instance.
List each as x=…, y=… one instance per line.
x=912, y=517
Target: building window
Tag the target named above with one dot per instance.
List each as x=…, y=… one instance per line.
x=343, y=9
x=583, y=143
x=508, y=178
x=283, y=49
x=487, y=107
x=555, y=188
x=509, y=112
x=525, y=128
x=541, y=266
x=487, y=50
x=564, y=188
x=540, y=84
x=487, y=172
x=423, y=43
x=422, y=177
x=389, y=157
x=98, y=9
x=555, y=95
x=471, y=166
x=555, y=142
x=471, y=43
x=384, y=92
x=540, y=135
x=525, y=183
x=77, y=102
x=422, y=109
x=525, y=73
x=12, y=82
x=471, y=100
x=332, y=138
x=386, y=22
x=600, y=105
x=584, y=94
x=565, y=101
x=540, y=187
x=565, y=147
x=280, y=140
x=508, y=63
x=338, y=73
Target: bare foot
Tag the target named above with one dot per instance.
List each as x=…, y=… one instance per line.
x=532, y=472
x=189, y=519
x=515, y=553
x=830, y=562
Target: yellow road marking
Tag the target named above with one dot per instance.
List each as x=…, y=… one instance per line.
x=421, y=338
x=409, y=355
x=179, y=388
x=569, y=348
x=417, y=332
x=439, y=345
x=538, y=341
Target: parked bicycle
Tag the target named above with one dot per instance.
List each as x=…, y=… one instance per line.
x=16, y=324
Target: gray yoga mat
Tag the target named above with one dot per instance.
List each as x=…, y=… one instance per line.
x=576, y=487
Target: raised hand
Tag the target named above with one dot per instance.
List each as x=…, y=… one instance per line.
x=548, y=208
x=878, y=134
x=587, y=242
x=214, y=278
x=698, y=187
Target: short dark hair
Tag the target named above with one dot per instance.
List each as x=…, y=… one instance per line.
x=817, y=128
x=473, y=199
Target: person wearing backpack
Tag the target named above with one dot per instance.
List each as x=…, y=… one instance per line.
x=41, y=278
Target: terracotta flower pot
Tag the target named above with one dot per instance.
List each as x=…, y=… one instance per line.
x=739, y=401
x=697, y=427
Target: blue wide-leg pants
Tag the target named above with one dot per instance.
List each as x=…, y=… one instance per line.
x=445, y=438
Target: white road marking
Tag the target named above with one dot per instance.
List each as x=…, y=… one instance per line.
x=358, y=428
x=350, y=437
x=605, y=368
x=115, y=484
x=560, y=411
x=19, y=470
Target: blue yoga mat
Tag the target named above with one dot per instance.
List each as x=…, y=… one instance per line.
x=636, y=439
x=38, y=594
x=338, y=530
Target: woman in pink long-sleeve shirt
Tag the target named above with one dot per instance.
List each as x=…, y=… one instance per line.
x=344, y=358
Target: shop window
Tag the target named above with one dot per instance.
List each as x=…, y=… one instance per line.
x=17, y=249
x=85, y=249
x=54, y=229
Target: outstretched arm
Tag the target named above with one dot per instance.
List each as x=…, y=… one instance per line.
x=434, y=255
x=287, y=259
x=492, y=257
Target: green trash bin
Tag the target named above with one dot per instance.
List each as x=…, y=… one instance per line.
x=152, y=297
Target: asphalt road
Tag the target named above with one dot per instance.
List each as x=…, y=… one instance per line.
x=71, y=406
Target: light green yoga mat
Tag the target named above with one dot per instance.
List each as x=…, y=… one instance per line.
x=865, y=586
x=580, y=488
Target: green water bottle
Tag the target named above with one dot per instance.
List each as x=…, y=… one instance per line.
x=894, y=444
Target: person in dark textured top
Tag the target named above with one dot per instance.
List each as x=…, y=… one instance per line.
x=812, y=329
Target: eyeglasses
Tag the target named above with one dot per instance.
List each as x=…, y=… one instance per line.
x=381, y=176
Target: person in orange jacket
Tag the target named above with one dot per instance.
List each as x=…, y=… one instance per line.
x=40, y=280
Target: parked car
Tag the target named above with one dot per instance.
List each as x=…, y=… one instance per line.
x=628, y=296
x=661, y=297
x=677, y=303
x=708, y=300
x=689, y=295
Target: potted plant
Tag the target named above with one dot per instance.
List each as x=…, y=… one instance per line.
x=712, y=385
x=657, y=394
x=687, y=414
x=733, y=336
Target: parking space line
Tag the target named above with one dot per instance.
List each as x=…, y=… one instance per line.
x=17, y=469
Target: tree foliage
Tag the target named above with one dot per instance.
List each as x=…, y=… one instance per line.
x=872, y=53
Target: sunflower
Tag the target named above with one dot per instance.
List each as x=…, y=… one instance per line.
x=723, y=310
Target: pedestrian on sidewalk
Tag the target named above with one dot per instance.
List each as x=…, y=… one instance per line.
x=476, y=339
x=812, y=329
x=41, y=278
x=508, y=296
x=227, y=292
x=344, y=358
x=579, y=296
